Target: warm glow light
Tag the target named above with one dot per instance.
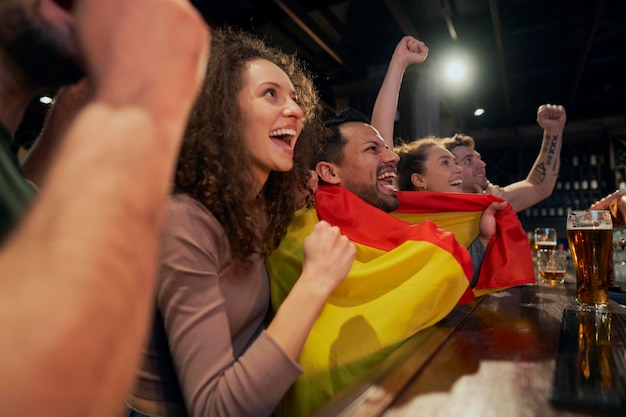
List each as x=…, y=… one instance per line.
x=456, y=71
x=479, y=112
x=45, y=99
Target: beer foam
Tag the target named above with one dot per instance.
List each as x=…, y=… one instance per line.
x=589, y=220
x=590, y=226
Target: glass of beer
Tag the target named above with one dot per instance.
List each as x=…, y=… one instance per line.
x=590, y=239
x=552, y=265
x=545, y=238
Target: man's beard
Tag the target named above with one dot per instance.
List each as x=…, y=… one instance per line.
x=373, y=196
x=42, y=58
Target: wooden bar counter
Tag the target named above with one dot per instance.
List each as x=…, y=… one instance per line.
x=494, y=357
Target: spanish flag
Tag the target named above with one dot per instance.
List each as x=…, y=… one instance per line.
x=508, y=259
x=406, y=277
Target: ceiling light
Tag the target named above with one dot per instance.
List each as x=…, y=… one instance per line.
x=456, y=70
x=479, y=112
x=45, y=100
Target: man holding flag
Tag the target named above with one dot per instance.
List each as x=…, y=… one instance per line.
x=409, y=273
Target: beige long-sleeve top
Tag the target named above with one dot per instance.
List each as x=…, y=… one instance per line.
x=209, y=325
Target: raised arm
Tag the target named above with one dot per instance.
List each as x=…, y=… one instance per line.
x=77, y=276
x=544, y=172
x=408, y=51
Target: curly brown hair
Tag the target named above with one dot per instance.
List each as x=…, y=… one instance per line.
x=214, y=166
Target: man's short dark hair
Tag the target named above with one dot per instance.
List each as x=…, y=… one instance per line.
x=330, y=147
x=348, y=114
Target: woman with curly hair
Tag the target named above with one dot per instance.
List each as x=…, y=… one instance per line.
x=238, y=183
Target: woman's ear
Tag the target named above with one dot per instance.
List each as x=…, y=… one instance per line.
x=418, y=182
x=328, y=172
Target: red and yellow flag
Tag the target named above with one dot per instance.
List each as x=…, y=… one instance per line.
x=508, y=260
x=406, y=277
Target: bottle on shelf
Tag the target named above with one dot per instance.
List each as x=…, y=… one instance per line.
x=560, y=211
x=584, y=184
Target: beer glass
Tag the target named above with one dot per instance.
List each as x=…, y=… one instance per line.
x=545, y=238
x=590, y=239
x=552, y=265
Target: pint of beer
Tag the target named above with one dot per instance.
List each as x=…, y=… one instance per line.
x=590, y=239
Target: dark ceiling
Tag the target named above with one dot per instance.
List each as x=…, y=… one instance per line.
x=525, y=52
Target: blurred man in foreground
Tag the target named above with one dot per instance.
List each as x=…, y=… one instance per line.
x=77, y=269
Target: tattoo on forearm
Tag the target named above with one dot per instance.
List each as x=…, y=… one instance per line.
x=551, y=148
x=541, y=170
x=539, y=174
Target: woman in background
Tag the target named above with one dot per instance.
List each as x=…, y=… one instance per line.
x=425, y=165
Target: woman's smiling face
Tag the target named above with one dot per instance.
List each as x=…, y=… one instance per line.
x=272, y=117
x=442, y=174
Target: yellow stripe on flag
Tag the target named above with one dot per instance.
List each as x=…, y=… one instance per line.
x=386, y=298
x=464, y=225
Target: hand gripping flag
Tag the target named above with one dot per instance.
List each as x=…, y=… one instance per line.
x=508, y=259
x=406, y=277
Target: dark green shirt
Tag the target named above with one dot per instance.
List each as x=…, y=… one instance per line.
x=15, y=192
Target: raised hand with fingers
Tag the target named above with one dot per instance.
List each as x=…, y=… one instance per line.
x=147, y=52
x=408, y=51
x=411, y=51
x=551, y=117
